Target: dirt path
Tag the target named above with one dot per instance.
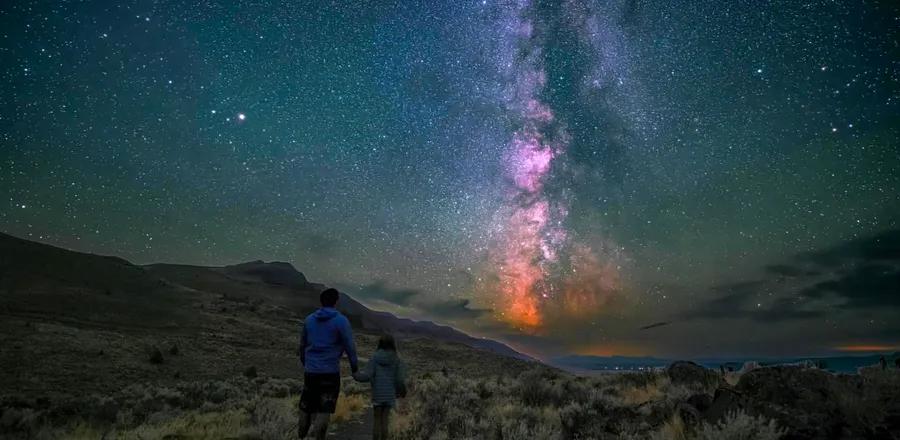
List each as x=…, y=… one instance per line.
x=358, y=429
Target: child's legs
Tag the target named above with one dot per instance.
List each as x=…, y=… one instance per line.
x=381, y=419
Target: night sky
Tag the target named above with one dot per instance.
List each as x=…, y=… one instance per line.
x=559, y=175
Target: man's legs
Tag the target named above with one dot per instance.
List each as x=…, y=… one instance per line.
x=320, y=425
x=304, y=423
x=317, y=402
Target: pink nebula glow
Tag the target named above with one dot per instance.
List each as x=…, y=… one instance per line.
x=536, y=264
x=529, y=161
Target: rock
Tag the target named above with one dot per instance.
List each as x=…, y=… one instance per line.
x=106, y=411
x=749, y=366
x=689, y=373
x=806, y=401
x=700, y=401
x=156, y=356
x=786, y=385
x=724, y=402
x=689, y=414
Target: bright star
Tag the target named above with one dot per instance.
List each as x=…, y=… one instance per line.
x=241, y=116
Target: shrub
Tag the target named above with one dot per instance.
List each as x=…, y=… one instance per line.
x=271, y=419
x=740, y=426
x=537, y=389
x=156, y=356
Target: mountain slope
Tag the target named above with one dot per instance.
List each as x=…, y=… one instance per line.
x=73, y=322
x=281, y=284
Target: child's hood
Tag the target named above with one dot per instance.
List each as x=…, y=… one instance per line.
x=384, y=357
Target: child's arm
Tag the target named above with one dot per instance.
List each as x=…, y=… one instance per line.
x=400, y=379
x=367, y=374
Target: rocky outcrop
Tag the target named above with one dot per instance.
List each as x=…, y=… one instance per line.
x=808, y=403
x=275, y=273
x=725, y=401
x=689, y=373
x=812, y=403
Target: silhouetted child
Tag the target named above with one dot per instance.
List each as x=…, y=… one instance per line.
x=386, y=373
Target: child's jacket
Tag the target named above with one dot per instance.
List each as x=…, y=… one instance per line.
x=386, y=373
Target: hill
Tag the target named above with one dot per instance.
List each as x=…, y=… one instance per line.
x=73, y=323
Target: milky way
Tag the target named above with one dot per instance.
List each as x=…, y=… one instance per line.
x=553, y=174
x=532, y=221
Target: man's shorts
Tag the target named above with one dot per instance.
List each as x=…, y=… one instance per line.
x=320, y=392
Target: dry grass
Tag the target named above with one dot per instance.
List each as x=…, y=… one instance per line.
x=539, y=403
x=260, y=409
x=349, y=407
x=732, y=377
x=548, y=405
x=651, y=391
x=673, y=429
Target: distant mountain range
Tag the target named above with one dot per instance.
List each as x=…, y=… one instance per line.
x=587, y=364
x=150, y=293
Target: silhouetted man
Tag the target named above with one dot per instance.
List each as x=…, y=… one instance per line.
x=324, y=338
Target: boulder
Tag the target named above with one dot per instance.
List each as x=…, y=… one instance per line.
x=724, y=401
x=689, y=373
x=805, y=401
x=156, y=356
x=788, y=386
x=690, y=416
x=700, y=401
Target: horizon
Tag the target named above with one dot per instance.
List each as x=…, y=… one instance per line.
x=552, y=359
x=638, y=178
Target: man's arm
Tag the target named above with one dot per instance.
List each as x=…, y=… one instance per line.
x=302, y=349
x=367, y=374
x=349, y=345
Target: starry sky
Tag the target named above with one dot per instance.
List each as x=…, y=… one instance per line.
x=687, y=178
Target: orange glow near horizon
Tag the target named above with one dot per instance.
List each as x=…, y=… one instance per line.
x=866, y=347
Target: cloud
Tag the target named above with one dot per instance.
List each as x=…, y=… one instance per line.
x=378, y=290
x=858, y=274
x=883, y=247
x=455, y=309
x=790, y=271
x=744, y=300
x=867, y=286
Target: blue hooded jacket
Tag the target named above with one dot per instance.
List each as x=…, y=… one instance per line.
x=325, y=336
